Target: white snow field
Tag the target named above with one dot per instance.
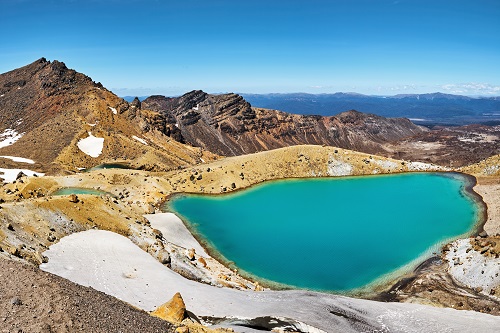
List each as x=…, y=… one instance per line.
x=139, y=139
x=112, y=264
x=19, y=159
x=9, y=175
x=91, y=145
x=9, y=137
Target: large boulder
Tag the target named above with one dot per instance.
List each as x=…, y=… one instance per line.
x=174, y=311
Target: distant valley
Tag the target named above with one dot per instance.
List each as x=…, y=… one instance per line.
x=423, y=109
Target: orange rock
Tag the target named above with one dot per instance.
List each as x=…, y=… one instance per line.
x=191, y=254
x=73, y=198
x=202, y=262
x=174, y=311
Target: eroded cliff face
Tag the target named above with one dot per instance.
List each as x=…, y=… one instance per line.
x=228, y=125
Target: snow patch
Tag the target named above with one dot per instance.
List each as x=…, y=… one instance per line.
x=196, y=107
x=9, y=137
x=2, y=95
x=478, y=137
x=174, y=231
x=472, y=268
x=139, y=139
x=9, y=175
x=91, y=145
x=113, y=110
x=19, y=159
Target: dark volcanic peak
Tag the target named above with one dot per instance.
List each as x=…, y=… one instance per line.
x=33, y=93
x=191, y=99
x=52, y=77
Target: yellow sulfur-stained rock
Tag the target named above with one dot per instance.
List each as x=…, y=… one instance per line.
x=182, y=329
x=174, y=311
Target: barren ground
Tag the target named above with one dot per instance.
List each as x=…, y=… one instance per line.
x=35, y=301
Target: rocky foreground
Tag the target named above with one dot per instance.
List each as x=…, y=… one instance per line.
x=35, y=301
x=140, y=280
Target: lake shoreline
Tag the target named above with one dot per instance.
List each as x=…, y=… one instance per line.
x=144, y=191
x=377, y=289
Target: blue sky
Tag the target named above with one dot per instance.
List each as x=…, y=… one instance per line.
x=168, y=47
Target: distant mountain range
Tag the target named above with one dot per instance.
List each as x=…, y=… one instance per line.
x=423, y=109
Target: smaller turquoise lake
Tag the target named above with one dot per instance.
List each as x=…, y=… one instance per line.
x=80, y=190
x=109, y=166
x=332, y=234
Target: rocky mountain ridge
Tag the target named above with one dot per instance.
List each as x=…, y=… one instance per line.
x=228, y=125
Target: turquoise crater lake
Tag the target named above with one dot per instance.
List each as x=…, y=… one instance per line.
x=332, y=234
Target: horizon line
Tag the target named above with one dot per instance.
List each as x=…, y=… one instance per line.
x=476, y=96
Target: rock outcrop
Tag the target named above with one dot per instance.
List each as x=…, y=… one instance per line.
x=174, y=311
x=228, y=125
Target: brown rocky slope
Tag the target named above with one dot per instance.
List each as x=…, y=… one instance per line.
x=52, y=107
x=449, y=146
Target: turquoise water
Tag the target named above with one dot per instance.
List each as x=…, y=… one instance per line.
x=334, y=234
x=109, y=166
x=80, y=190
